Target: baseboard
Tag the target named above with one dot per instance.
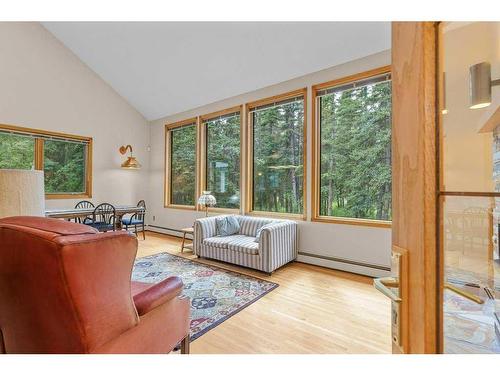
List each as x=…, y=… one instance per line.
x=344, y=265
x=164, y=230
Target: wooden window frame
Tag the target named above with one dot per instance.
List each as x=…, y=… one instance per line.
x=316, y=153
x=38, y=156
x=203, y=154
x=167, y=192
x=248, y=204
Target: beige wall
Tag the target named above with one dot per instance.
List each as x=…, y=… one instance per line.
x=467, y=157
x=45, y=86
x=357, y=243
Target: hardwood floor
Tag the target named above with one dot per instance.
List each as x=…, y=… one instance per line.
x=314, y=310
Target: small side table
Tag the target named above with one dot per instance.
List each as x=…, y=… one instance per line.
x=185, y=231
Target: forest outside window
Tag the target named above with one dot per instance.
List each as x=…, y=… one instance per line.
x=354, y=140
x=222, y=150
x=181, y=141
x=65, y=159
x=277, y=154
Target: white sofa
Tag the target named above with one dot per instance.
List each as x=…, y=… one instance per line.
x=277, y=244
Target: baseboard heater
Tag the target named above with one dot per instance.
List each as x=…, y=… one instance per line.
x=347, y=261
x=165, y=228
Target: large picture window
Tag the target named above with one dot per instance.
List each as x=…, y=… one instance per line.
x=64, y=166
x=222, y=168
x=65, y=159
x=17, y=151
x=277, y=154
x=181, y=140
x=354, y=140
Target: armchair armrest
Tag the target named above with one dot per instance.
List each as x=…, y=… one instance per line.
x=157, y=294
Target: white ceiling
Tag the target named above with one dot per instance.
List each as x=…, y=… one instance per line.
x=163, y=68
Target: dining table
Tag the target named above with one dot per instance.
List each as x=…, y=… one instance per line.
x=73, y=213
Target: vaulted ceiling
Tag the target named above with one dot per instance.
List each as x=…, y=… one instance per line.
x=163, y=68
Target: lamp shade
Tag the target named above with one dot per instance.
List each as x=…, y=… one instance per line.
x=207, y=200
x=480, y=85
x=21, y=193
x=131, y=162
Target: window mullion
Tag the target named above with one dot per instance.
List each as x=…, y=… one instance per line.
x=39, y=143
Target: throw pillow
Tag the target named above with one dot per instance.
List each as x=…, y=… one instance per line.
x=227, y=225
x=259, y=231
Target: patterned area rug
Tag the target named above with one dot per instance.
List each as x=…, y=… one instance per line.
x=216, y=294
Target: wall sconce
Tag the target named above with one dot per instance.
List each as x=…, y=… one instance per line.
x=480, y=84
x=131, y=162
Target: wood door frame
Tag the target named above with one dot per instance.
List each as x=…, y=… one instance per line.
x=415, y=224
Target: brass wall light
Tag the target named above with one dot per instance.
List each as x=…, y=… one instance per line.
x=131, y=162
x=480, y=85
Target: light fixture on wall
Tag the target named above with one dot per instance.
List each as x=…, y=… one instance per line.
x=131, y=162
x=480, y=85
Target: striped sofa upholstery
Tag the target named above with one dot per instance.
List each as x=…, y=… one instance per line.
x=277, y=244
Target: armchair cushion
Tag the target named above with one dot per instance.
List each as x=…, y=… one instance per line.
x=157, y=294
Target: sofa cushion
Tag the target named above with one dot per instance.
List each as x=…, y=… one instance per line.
x=227, y=225
x=249, y=225
x=220, y=242
x=244, y=244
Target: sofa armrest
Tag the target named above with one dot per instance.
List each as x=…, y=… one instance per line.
x=203, y=228
x=278, y=243
x=157, y=294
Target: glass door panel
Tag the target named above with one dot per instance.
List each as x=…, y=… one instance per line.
x=470, y=186
x=471, y=304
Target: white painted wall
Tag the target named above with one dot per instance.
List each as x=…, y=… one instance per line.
x=45, y=86
x=357, y=243
x=467, y=154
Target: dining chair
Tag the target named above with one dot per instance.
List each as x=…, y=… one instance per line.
x=137, y=219
x=83, y=204
x=103, y=218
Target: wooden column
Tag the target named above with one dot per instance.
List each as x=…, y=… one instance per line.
x=414, y=140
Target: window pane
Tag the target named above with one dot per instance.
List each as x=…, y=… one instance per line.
x=223, y=160
x=278, y=158
x=16, y=152
x=64, y=166
x=356, y=152
x=183, y=165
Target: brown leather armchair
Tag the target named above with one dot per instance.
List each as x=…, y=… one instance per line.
x=64, y=288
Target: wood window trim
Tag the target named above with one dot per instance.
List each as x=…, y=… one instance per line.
x=248, y=204
x=352, y=221
x=167, y=193
x=39, y=156
x=277, y=215
x=316, y=153
x=203, y=154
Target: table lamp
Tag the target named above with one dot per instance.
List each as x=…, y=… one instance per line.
x=207, y=200
x=21, y=193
